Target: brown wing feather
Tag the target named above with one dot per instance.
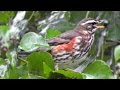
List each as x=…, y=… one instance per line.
x=69, y=34
x=56, y=41
x=63, y=38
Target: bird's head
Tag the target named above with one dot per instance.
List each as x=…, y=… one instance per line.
x=92, y=25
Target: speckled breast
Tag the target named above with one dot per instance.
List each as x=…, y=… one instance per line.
x=72, y=54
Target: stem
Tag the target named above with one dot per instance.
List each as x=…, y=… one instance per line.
x=31, y=16
x=23, y=60
x=102, y=51
x=88, y=12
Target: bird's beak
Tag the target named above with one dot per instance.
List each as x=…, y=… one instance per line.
x=102, y=24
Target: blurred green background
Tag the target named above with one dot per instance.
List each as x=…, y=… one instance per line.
x=57, y=22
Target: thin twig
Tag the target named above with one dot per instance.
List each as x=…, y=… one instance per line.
x=87, y=14
x=102, y=52
x=113, y=41
x=22, y=60
x=31, y=16
x=99, y=15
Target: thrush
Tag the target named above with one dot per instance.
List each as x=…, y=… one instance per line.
x=71, y=48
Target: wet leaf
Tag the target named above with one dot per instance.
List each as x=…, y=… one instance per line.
x=117, y=53
x=51, y=33
x=32, y=41
x=65, y=74
x=40, y=63
x=98, y=70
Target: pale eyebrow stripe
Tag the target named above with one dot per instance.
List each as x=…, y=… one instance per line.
x=88, y=22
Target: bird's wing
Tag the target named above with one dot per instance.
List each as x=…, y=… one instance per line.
x=69, y=34
x=57, y=41
x=63, y=38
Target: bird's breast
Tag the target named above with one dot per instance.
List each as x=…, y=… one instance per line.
x=75, y=49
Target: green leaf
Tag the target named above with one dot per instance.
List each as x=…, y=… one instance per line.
x=36, y=62
x=12, y=74
x=6, y=15
x=47, y=70
x=52, y=33
x=66, y=74
x=32, y=41
x=3, y=29
x=98, y=70
x=2, y=61
x=20, y=72
x=31, y=76
x=117, y=53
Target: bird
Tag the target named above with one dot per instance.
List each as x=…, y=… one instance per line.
x=71, y=48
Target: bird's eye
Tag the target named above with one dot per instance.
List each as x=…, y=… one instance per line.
x=93, y=23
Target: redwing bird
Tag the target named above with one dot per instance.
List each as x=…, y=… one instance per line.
x=71, y=48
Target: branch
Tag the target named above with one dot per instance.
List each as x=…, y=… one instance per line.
x=87, y=14
x=18, y=25
x=55, y=17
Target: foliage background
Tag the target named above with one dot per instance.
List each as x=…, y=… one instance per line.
x=40, y=65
